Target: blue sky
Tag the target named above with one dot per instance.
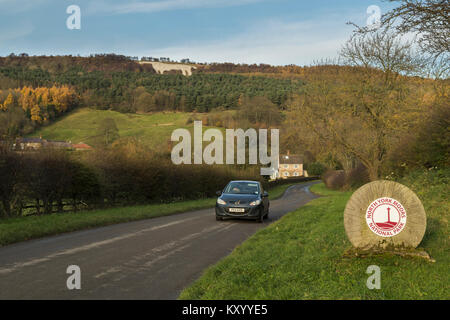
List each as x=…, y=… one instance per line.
x=277, y=32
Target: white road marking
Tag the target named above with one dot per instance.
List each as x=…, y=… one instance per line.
x=97, y=244
x=135, y=264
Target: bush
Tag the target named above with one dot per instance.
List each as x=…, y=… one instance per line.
x=10, y=182
x=357, y=177
x=334, y=179
x=124, y=174
x=427, y=146
x=315, y=169
x=40, y=181
x=189, y=120
x=344, y=180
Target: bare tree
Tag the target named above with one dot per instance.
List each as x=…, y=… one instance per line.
x=360, y=116
x=428, y=19
x=385, y=51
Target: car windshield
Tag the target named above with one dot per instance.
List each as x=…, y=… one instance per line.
x=242, y=188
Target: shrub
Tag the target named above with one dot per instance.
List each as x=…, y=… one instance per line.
x=344, y=180
x=189, y=120
x=315, y=169
x=334, y=179
x=356, y=177
x=427, y=146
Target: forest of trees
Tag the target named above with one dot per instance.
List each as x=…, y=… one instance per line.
x=34, y=91
x=130, y=91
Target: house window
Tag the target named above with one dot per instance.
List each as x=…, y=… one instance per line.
x=295, y=166
x=286, y=166
x=286, y=174
x=296, y=174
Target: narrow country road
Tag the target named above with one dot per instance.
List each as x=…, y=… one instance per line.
x=147, y=259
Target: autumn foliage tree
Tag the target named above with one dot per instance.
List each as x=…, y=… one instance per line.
x=8, y=103
x=34, y=105
x=43, y=103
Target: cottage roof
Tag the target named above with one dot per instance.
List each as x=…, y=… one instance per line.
x=81, y=146
x=291, y=159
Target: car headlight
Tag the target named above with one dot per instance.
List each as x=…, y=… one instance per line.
x=255, y=203
x=220, y=201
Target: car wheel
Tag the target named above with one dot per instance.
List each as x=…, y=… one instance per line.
x=261, y=217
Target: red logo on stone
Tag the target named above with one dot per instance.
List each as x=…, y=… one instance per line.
x=386, y=217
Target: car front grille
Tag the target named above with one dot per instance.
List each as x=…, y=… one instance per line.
x=237, y=202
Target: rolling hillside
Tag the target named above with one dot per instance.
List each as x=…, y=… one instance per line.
x=153, y=130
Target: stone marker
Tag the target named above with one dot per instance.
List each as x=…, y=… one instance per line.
x=384, y=213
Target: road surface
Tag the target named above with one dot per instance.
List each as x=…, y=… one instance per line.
x=147, y=259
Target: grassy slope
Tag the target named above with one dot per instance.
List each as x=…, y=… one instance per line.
x=81, y=126
x=300, y=256
x=25, y=228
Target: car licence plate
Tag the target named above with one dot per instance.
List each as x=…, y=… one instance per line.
x=237, y=210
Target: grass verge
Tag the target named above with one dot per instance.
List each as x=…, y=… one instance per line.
x=301, y=256
x=278, y=191
x=25, y=228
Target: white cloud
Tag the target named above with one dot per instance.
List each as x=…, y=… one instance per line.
x=163, y=5
x=273, y=42
x=16, y=6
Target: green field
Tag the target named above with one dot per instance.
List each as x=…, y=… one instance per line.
x=82, y=126
x=301, y=256
x=25, y=228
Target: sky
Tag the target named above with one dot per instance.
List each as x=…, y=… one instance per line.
x=277, y=32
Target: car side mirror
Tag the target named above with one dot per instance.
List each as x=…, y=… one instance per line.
x=219, y=193
x=265, y=194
